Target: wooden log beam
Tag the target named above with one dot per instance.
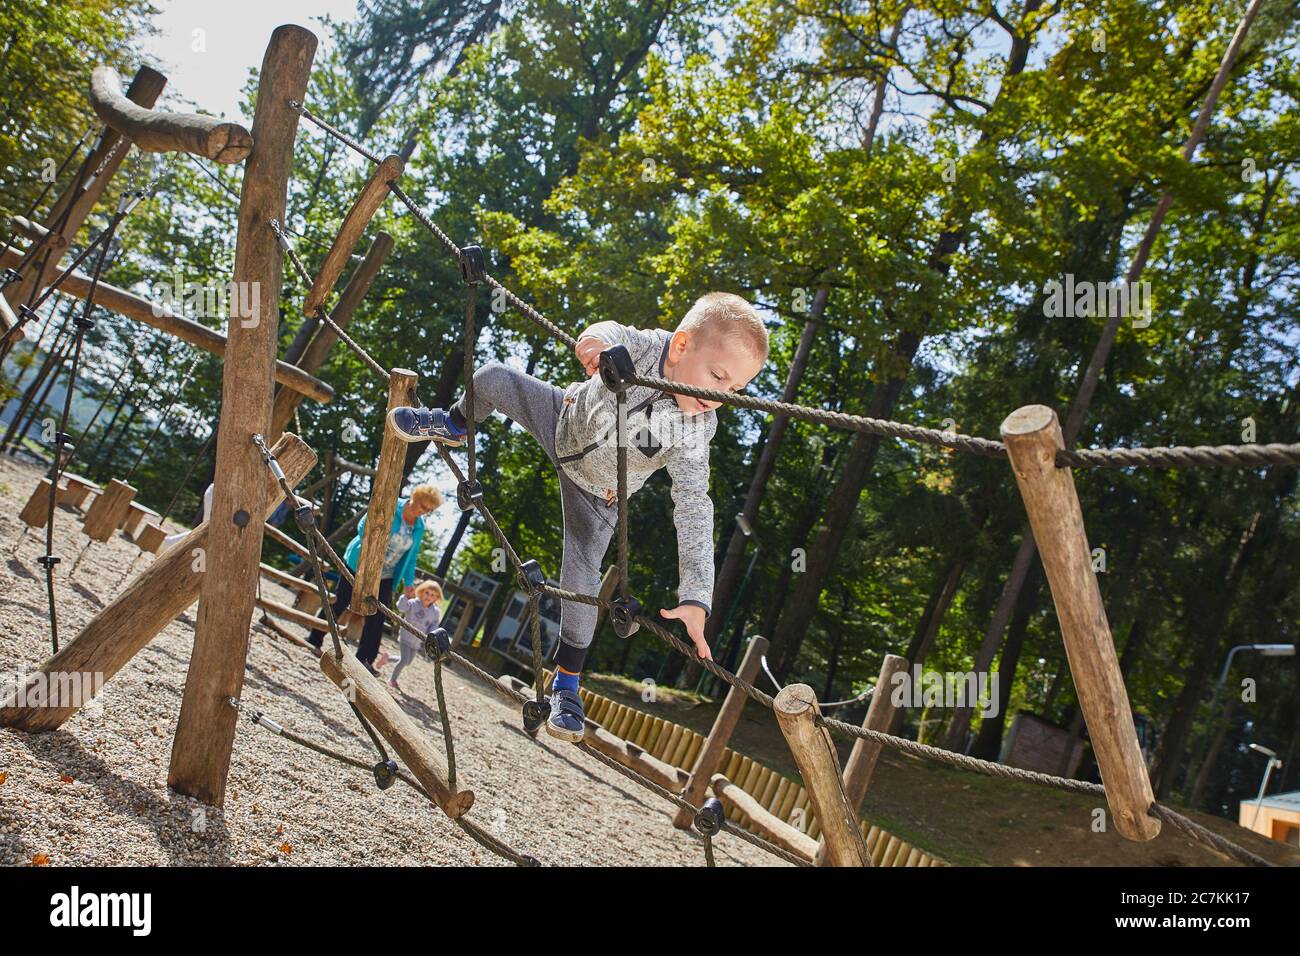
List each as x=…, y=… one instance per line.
x=287, y=580
x=157, y=131
x=282, y=539
x=353, y=467
x=769, y=826
x=108, y=510
x=383, y=499
x=205, y=730
x=411, y=742
x=145, y=88
x=148, y=604
x=371, y=197
x=1033, y=436
x=158, y=316
x=314, y=355
x=814, y=753
x=861, y=765
x=309, y=621
x=706, y=764
x=634, y=757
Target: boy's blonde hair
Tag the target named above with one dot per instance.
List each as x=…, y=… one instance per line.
x=724, y=317
x=428, y=585
x=427, y=495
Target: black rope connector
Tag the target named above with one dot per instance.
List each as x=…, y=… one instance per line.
x=536, y=713
x=531, y=578
x=12, y=275
x=710, y=817
x=468, y=492
x=48, y=560
x=473, y=266
x=623, y=613
x=26, y=312
x=385, y=774
x=84, y=322
x=63, y=438
x=305, y=517
x=437, y=644
x=615, y=367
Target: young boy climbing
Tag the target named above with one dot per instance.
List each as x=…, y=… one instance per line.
x=721, y=344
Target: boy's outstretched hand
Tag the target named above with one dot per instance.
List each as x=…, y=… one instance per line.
x=692, y=615
x=588, y=351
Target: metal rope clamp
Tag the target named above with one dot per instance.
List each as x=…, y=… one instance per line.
x=385, y=774
x=305, y=517
x=9, y=276
x=709, y=818
x=530, y=577
x=536, y=713
x=473, y=265
x=467, y=493
x=623, y=613
x=437, y=644
x=616, y=367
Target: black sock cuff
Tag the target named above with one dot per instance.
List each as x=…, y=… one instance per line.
x=570, y=658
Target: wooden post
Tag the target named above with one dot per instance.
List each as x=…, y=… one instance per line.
x=413, y=744
x=150, y=538
x=814, y=753
x=148, y=604
x=706, y=764
x=78, y=490
x=313, y=357
x=205, y=730
x=135, y=518
x=363, y=210
x=37, y=510
x=862, y=758
x=1033, y=436
x=383, y=499
x=108, y=510
x=463, y=624
x=144, y=91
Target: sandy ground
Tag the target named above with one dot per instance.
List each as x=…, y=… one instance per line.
x=94, y=791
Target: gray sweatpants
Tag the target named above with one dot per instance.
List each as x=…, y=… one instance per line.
x=588, y=522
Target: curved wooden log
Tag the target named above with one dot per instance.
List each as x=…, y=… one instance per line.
x=157, y=131
x=158, y=316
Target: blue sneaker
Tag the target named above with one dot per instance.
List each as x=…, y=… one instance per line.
x=567, y=716
x=423, y=424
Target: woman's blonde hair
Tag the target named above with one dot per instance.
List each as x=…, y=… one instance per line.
x=426, y=495
x=428, y=585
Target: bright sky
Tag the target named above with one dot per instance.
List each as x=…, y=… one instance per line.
x=233, y=38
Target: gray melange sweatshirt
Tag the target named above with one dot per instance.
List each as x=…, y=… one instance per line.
x=659, y=436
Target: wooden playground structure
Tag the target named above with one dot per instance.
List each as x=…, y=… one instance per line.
x=247, y=492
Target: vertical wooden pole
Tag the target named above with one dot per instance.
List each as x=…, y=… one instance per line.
x=814, y=753
x=862, y=758
x=148, y=603
x=205, y=730
x=706, y=764
x=144, y=91
x=1033, y=436
x=383, y=499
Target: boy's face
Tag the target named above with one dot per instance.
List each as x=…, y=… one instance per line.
x=707, y=361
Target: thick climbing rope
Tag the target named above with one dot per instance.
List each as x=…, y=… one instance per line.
x=322, y=313
x=1240, y=455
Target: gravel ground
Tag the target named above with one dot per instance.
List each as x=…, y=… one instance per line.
x=95, y=791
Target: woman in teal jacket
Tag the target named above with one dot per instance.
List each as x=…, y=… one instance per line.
x=398, y=569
